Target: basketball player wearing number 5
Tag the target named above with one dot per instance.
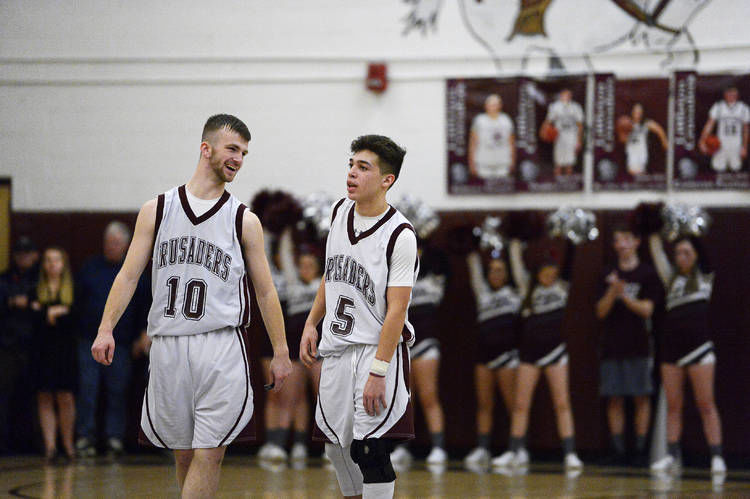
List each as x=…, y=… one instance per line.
x=202, y=242
x=371, y=266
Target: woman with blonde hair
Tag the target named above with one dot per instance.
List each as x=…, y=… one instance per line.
x=54, y=361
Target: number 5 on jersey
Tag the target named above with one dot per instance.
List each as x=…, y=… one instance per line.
x=194, y=302
x=344, y=323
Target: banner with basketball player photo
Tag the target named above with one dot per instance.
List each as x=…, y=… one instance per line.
x=550, y=134
x=711, y=128
x=629, y=133
x=481, y=135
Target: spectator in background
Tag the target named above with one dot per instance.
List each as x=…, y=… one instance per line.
x=629, y=292
x=54, y=352
x=17, y=291
x=94, y=282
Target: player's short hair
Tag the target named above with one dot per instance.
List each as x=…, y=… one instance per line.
x=225, y=122
x=390, y=155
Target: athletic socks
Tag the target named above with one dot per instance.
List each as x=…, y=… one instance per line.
x=618, y=443
x=673, y=449
x=569, y=445
x=300, y=437
x=277, y=436
x=483, y=440
x=715, y=450
x=378, y=490
x=438, y=439
x=517, y=443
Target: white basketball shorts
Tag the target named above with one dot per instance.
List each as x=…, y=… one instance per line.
x=729, y=155
x=637, y=159
x=199, y=394
x=340, y=414
x=564, y=151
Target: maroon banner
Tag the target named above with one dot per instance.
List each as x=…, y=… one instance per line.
x=711, y=120
x=551, y=118
x=481, y=135
x=629, y=133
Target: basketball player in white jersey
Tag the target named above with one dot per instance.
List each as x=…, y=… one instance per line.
x=492, y=143
x=371, y=266
x=567, y=117
x=202, y=242
x=733, y=119
x=636, y=147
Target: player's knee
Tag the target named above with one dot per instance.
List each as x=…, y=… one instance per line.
x=373, y=458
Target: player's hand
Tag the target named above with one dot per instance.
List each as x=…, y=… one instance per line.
x=702, y=145
x=619, y=287
x=281, y=368
x=473, y=169
x=373, y=398
x=308, y=345
x=103, y=349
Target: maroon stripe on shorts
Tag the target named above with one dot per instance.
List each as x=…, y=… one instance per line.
x=393, y=399
x=404, y=427
x=247, y=388
x=151, y=423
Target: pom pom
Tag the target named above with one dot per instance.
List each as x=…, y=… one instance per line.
x=281, y=212
x=575, y=224
x=316, y=214
x=489, y=235
x=684, y=220
x=422, y=217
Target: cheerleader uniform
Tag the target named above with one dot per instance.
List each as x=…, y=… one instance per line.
x=426, y=296
x=497, y=318
x=686, y=339
x=541, y=339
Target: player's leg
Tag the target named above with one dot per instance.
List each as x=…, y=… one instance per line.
x=182, y=460
x=506, y=380
x=557, y=378
x=66, y=407
x=47, y=421
x=616, y=421
x=673, y=379
x=527, y=378
x=348, y=473
x=425, y=375
x=702, y=380
x=202, y=479
x=300, y=408
x=642, y=418
x=277, y=430
x=374, y=461
x=485, y=393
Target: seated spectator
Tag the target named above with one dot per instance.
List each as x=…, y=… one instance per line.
x=93, y=284
x=53, y=352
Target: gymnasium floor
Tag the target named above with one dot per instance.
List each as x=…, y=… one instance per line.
x=242, y=476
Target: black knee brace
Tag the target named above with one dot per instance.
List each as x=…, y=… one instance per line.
x=374, y=460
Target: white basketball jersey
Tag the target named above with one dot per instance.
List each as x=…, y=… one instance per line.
x=493, y=138
x=199, y=282
x=356, y=279
x=730, y=121
x=565, y=116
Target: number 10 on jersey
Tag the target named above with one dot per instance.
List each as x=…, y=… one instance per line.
x=194, y=302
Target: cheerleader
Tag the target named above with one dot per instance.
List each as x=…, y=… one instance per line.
x=426, y=296
x=686, y=346
x=541, y=349
x=498, y=305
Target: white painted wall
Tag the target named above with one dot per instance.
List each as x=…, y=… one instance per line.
x=102, y=103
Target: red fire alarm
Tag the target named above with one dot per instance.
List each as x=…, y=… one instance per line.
x=377, y=77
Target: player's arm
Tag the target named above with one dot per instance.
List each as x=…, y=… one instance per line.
x=265, y=293
x=512, y=145
x=476, y=276
x=308, y=347
x=473, y=139
x=659, y=131
x=707, y=129
x=579, y=136
x=642, y=308
x=745, y=136
x=659, y=257
x=520, y=274
x=398, y=293
x=607, y=301
x=125, y=283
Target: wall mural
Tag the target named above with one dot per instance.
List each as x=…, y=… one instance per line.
x=552, y=28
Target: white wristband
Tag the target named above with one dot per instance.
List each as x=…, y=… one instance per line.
x=379, y=367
